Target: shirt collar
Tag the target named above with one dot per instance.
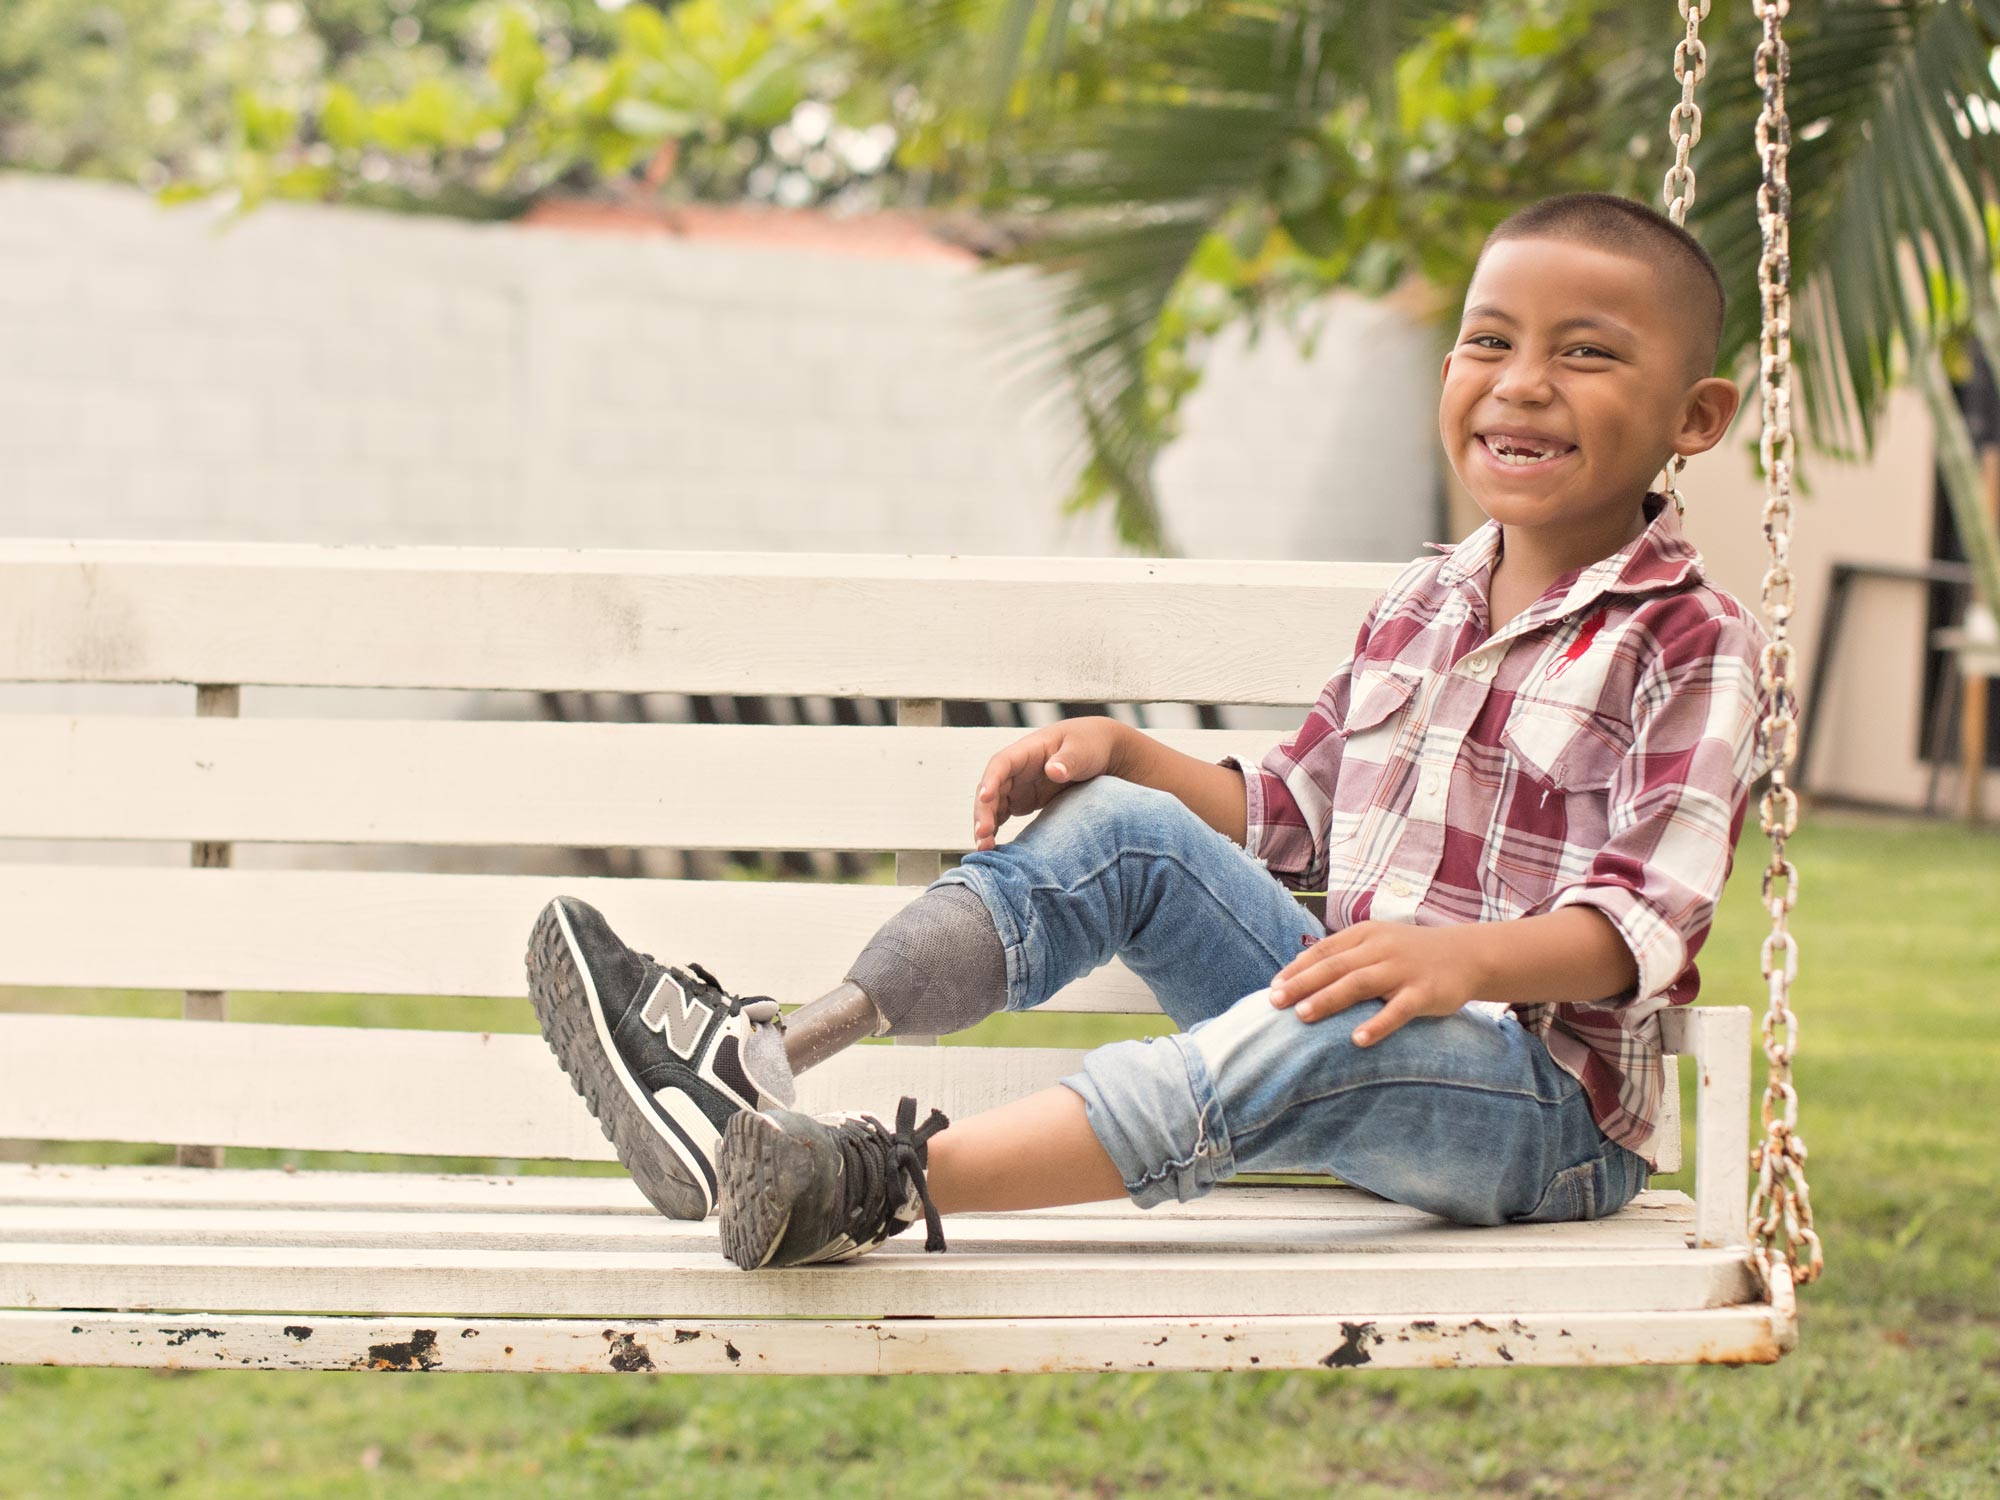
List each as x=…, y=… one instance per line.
x=1658, y=559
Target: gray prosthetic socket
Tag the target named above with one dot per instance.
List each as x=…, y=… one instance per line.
x=936, y=966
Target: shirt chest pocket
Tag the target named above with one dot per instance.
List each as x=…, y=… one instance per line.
x=1375, y=699
x=1374, y=750
x=1551, y=821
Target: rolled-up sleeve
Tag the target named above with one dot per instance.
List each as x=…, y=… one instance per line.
x=1288, y=795
x=1677, y=799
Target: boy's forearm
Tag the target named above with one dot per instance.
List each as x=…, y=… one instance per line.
x=1572, y=955
x=1213, y=793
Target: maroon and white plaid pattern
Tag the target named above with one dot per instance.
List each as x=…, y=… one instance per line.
x=1598, y=751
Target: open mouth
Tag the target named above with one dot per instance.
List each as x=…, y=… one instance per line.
x=1523, y=452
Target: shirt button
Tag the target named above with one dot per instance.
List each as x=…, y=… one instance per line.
x=1431, y=784
x=1477, y=665
x=1401, y=888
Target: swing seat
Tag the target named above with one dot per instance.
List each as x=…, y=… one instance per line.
x=275, y=1266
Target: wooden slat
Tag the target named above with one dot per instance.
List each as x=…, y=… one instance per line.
x=895, y=1346
x=379, y=933
x=66, y=1185
x=423, y=1093
x=896, y=1281
x=348, y=781
x=920, y=867
x=211, y=701
x=970, y=1233
x=1037, y=629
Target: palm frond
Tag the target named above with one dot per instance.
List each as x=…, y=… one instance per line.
x=1171, y=119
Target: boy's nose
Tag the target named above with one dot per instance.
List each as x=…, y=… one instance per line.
x=1522, y=385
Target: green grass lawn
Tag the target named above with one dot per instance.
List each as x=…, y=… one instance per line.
x=1894, y=1392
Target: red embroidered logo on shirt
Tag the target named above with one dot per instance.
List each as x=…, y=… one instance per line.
x=1574, y=651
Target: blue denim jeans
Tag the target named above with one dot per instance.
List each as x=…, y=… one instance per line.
x=1466, y=1116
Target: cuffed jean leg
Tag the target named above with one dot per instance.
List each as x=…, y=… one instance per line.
x=1465, y=1116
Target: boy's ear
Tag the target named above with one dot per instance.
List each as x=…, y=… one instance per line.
x=1706, y=414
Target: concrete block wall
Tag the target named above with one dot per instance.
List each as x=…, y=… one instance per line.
x=334, y=375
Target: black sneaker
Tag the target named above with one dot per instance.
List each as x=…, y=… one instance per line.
x=801, y=1190
x=658, y=1053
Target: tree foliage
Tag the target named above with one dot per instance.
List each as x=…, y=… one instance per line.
x=473, y=107
x=176, y=91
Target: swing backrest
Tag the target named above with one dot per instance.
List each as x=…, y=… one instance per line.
x=218, y=617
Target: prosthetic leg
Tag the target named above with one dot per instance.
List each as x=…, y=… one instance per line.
x=936, y=966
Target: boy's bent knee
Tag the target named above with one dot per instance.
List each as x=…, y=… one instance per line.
x=1106, y=796
x=1118, y=809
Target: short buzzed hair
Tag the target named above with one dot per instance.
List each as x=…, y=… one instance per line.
x=1628, y=227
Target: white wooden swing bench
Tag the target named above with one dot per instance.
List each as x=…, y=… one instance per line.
x=205, y=1266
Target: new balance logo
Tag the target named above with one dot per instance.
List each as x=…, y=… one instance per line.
x=681, y=1021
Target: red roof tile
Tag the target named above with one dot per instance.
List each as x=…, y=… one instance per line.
x=881, y=236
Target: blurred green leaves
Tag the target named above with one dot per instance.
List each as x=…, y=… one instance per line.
x=163, y=92
x=508, y=101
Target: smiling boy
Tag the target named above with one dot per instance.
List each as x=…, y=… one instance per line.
x=1523, y=789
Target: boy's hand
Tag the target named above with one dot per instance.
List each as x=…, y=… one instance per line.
x=1419, y=971
x=1026, y=775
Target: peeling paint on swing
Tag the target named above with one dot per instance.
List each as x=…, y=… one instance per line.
x=418, y=1354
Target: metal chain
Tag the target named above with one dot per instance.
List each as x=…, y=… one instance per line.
x=1684, y=130
x=1684, y=123
x=1781, y=1227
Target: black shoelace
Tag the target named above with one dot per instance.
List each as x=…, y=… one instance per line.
x=878, y=1163
x=738, y=1003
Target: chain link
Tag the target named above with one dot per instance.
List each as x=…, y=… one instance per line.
x=1684, y=123
x=1684, y=130
x=1781, y=1227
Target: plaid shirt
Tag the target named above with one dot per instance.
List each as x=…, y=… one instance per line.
x=1598, y=751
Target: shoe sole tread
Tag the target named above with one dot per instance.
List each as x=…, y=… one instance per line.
x=759, y=1170
x=562, y=1006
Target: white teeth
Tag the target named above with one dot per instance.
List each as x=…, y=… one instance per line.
x=1517, y=452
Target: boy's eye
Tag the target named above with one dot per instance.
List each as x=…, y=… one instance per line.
x=1486, y=341
x=1591, y=351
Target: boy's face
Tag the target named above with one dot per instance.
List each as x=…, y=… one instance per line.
x=1568, y=385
